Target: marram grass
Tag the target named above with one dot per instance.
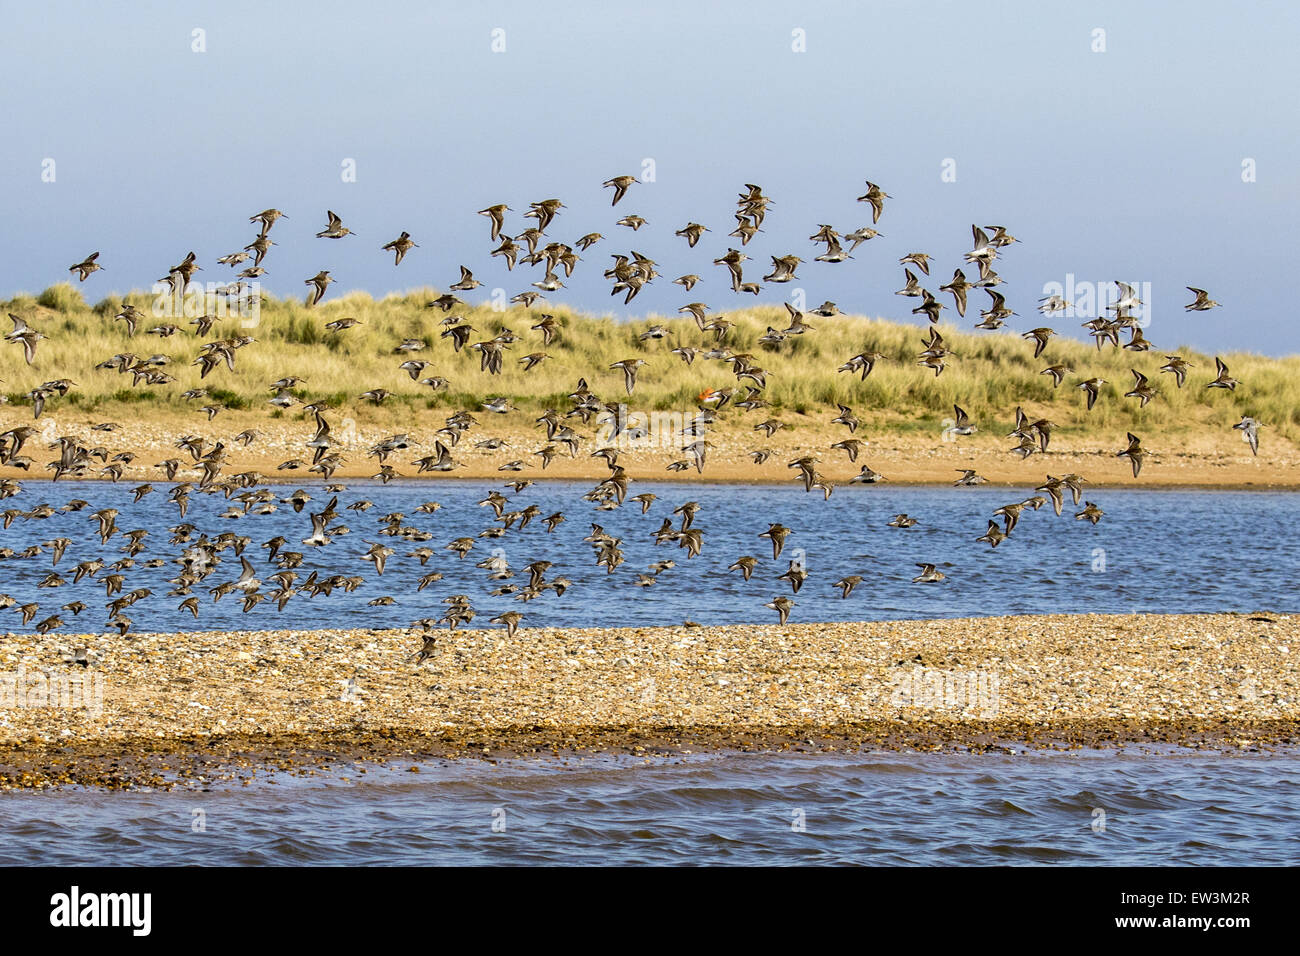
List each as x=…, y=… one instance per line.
x=989, y=374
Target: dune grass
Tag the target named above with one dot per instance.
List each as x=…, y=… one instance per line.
x=989, y=374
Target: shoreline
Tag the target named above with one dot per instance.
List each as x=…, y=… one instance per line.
x=1198, y=462
x=202, y=762
x=429, y=481
x=198, y=706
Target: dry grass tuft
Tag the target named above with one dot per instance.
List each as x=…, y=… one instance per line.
x=989, y=374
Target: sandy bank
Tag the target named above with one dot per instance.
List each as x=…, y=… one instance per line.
x=206, y=704
x=1191, y=460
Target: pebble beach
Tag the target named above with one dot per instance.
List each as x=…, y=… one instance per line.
x=197, y=708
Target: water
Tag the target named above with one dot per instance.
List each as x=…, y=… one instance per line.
x=1102, y=808
x=1160, y=551
x=1153, y=551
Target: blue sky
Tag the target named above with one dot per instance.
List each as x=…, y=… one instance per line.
x=1123, y=164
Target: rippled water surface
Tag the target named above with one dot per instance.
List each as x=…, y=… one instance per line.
x=1153, y=551
x=1103, y=808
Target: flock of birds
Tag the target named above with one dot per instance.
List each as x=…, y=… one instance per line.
x=200, y=555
